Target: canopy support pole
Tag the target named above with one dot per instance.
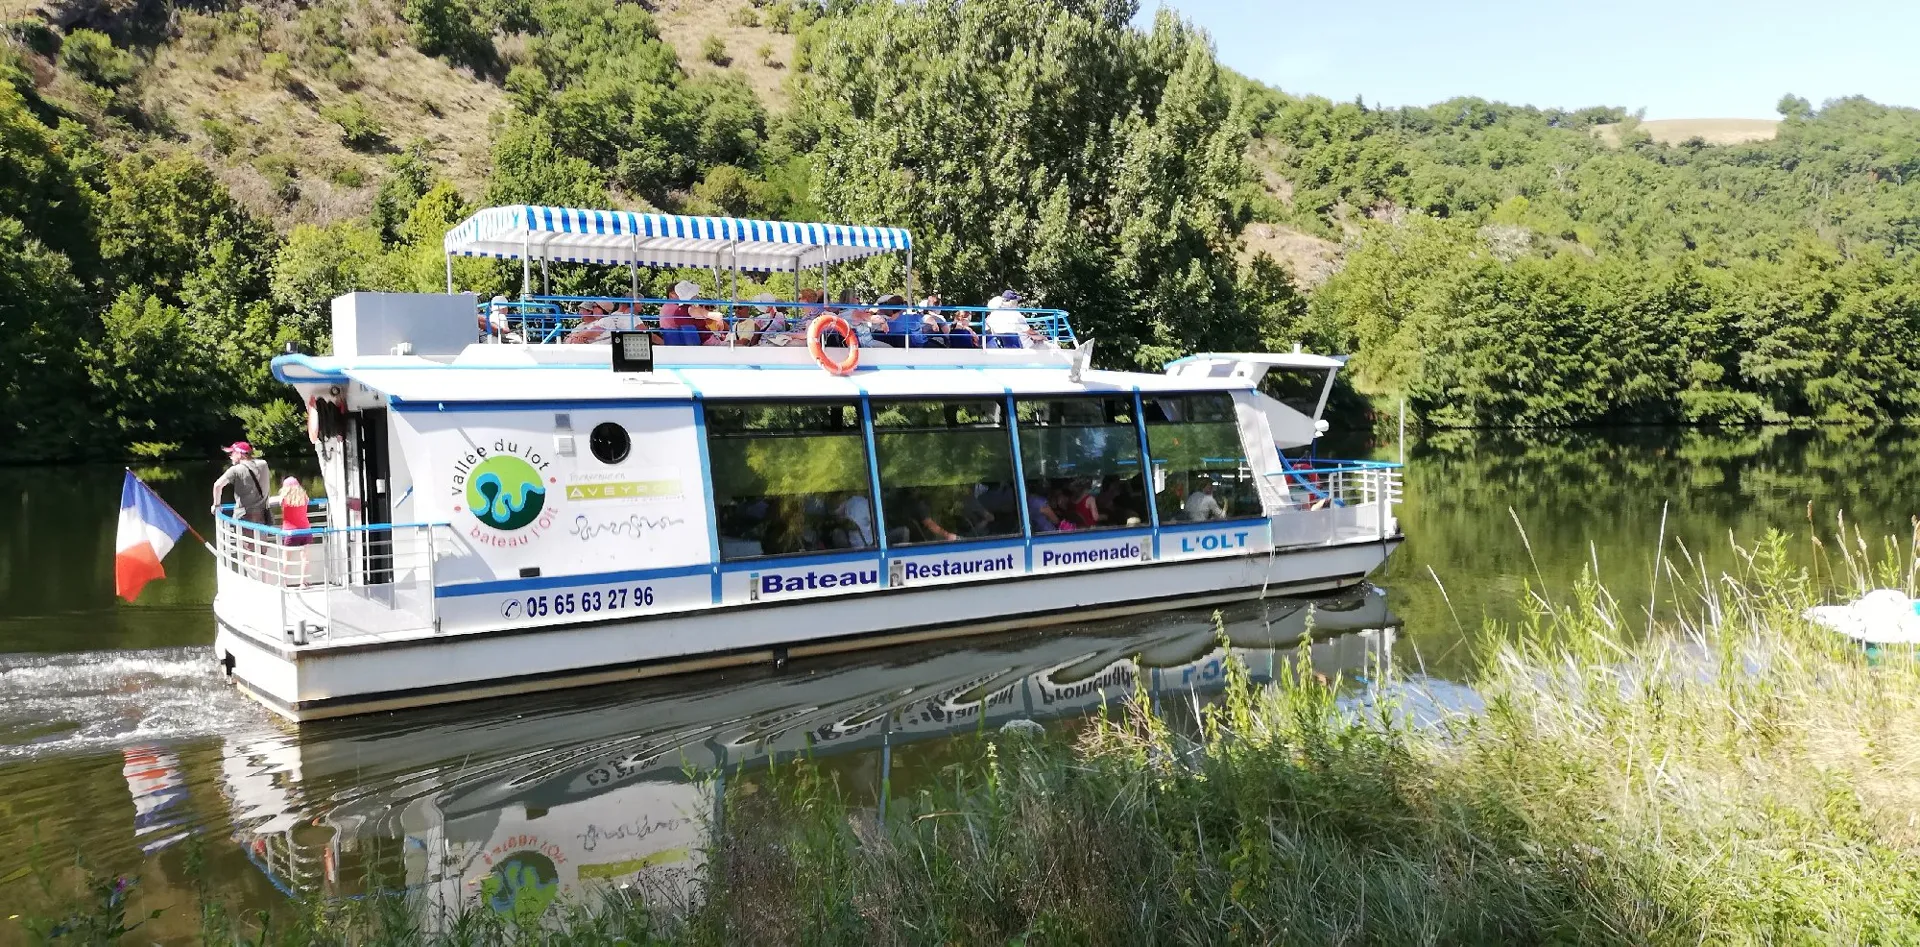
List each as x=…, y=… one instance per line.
x=911, y=299
x=526, y=267
x=449, y=257
x=733, y=293
x=546, y=284
x=633, y=273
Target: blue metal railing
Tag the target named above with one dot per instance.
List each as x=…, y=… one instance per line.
x=1313, y=474
x=540, y=320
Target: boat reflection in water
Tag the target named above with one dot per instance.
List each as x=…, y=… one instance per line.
x=539, y=798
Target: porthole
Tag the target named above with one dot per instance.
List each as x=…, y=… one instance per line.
x=609, y=442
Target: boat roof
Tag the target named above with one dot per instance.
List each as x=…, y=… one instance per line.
x=1263, y=359
x=413, y=381
x=581, y=235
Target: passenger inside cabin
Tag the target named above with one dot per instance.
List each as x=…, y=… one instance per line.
x=1080, y=507
x=1201, y=504
x=1040, y=513
x=856, y=530
x=1120, y=503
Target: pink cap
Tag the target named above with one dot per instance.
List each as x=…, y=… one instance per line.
x=239, y=447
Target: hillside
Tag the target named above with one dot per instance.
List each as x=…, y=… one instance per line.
x=1711, y=131
x=182, y=191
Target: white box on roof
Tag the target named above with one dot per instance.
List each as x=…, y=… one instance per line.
x=434, y=324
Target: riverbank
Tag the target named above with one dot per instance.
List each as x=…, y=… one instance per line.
x=1729, y=776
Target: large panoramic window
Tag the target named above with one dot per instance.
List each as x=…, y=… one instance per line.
x=1081, y=458
x=946, y=471
x=789, y=478
x=1199, y=468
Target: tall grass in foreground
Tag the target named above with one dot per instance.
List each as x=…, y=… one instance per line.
x=1732, y=775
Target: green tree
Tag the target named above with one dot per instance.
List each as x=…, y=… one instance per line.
x=1043, y=146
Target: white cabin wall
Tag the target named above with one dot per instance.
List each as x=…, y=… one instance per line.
x=647, y=512
x=1290, y=428
x=1257, y=439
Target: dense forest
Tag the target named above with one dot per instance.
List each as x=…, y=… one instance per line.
x=1495, y=265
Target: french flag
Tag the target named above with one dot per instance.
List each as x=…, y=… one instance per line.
x=148, y=530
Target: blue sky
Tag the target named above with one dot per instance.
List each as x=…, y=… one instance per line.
x=1677, y=58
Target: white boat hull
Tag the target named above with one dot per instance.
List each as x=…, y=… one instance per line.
x=375, y=674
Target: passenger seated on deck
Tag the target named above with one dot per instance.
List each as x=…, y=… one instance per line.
x=676, y=322
x=494, y=324
x=713, y=326
x=960, y=331
x=758, y=323
x=597, y=322
x=901, y=328
x=1006, y=325
x=932, y=327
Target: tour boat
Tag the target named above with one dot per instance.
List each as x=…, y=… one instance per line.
x=520, y=496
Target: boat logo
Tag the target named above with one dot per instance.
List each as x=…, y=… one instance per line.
x=505, y=492
x=522, y=885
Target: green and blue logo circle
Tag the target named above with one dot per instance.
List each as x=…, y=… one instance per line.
x=505, y=492
x=521, y=886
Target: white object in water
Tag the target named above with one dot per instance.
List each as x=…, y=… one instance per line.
x=1882, y=616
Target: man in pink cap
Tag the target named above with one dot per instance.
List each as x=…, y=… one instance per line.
x=251, y=482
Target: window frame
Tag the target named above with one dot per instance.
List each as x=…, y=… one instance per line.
x=862, y=430
x=1246, y=460
x=1131, y=400
x=1010, y=433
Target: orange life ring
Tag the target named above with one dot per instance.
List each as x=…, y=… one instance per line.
x=820, y=326
x=313, y=421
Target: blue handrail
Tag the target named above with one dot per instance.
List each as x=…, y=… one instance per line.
x=224, y=515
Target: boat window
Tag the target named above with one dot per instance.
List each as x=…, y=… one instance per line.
x=789, y=478
x=946, y=471
x=1081, y=458
x=1200, y=470
x=609, y=442
x=1297, y=388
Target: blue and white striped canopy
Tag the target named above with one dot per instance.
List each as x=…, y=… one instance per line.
x=663, y=240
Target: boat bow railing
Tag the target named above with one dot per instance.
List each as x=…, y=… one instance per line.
x=541, y=320
x=327, y=582
x=1342, y=499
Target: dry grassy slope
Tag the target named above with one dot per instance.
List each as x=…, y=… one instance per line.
x=686, y=24
x=211, y=90
x=1714, y=131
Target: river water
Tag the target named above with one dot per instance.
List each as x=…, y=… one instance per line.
x=119, y=743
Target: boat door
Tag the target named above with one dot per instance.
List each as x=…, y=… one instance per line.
x=376, y=500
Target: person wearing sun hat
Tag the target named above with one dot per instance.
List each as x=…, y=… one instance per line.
x=1006, y=325
x=677, y=320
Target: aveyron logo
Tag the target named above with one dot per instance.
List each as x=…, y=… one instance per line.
x=504, y=489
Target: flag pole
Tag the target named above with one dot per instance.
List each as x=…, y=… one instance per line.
x=170, y=509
